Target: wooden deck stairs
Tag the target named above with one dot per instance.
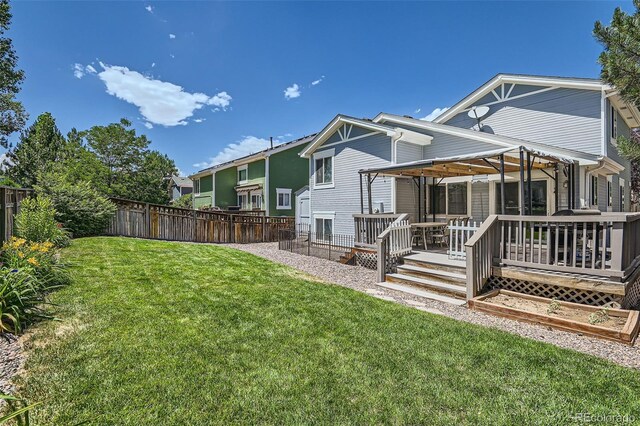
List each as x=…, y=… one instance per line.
x=432, y=276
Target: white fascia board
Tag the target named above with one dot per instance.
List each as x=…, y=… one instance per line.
x=403, y=135
x=515, y=79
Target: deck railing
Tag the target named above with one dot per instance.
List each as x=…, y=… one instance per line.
x=606, y=245
x=460, y=231
x=393, y=242
x=369, y=226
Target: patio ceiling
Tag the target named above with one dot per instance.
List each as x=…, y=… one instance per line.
x=482, y=163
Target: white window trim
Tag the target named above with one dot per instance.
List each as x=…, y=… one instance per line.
x=622, y=196
x=591, y=190
x=285, y=191
x=194, y=187
x=324, y=215
x=446, y=198
x=240, y=168
x=610, y=193
x=243, y=195
x=613, y=133
x=255, y=192
x=324, y=154
x=494, y=189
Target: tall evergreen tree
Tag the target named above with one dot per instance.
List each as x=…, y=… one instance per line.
x=40, y=147
x=12, y=114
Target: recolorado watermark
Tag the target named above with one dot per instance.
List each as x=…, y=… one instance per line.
x=603, y=418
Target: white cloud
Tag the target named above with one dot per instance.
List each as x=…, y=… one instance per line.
x=199, y=120
x=318, y=81
x=172, y=55
x=153, y=64
x=172, y=36
x=149, y=8
x=222, y=100
x=417, y=111
x=90, y=69
x=78, y=70
x=292, y=92
x=434, y=114
x=3, y=158
x=159, y=102
x=246, y=146
x=148, y=125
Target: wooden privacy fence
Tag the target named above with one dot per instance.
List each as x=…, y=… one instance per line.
x=10, y=200
x=154, y=221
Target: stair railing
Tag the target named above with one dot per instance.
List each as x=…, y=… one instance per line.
x=481, y=248
x=393, y=242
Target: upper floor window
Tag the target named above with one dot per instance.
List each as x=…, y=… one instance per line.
x=243, y=175
x=323, y=167
x=594, y=190
x=621, y=194
x=196, y=186
x=614, y=123
x=609, y=191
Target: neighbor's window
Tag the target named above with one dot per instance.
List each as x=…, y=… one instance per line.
x=594, y=190
x=256, y=200
x=609, y=191
x=284, y=199
x=324, y=168
x=622, y=200
x=243, y=201
x=242, y=174
x=196, y=186
x=614, y=123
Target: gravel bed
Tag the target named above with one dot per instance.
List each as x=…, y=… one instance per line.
x=362, y=279
x=11, y=361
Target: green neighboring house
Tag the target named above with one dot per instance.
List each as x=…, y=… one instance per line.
x=243, y=183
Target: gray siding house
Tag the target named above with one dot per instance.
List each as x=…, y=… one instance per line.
x=573, y=118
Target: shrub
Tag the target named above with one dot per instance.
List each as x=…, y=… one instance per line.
x=79, y=207
x=185, y=201
x=36, y=222
x=40, y=259
x=22, y=299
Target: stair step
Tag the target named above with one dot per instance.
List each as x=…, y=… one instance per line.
x=422, y=272
x=433, y=284
x=440, y=264
x=422, y=293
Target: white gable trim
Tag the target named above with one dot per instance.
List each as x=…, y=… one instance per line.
x=500, y=79
x=337, y=124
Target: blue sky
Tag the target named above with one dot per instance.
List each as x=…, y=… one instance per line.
x=208, y=81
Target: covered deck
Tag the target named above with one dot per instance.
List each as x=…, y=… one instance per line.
x=583, y=255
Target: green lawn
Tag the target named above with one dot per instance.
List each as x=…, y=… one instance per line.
x=166, y=333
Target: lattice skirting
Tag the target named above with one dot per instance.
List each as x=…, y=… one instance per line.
x=370, y=260
x=586, y=297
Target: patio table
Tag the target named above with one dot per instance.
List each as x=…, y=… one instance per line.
x=430, y=226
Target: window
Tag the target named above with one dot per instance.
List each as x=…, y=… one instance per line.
x=324, y=229
x=196, y=186
x=243, y=201
x=323, y=168
x=457, y=198
x=256, y=200
x=594, y=190
x=284, y=199
x=242, y=174
x=512, y=197
x=450, y=198
x=609, y=191
x=614, y=123
x=621, y=195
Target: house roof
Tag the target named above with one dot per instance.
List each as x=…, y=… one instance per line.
x=254, y=156
x=182, y=181
x=498, y=140
x=632, y=118
x=341, y=119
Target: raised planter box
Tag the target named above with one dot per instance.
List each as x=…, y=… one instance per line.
x=621, y=326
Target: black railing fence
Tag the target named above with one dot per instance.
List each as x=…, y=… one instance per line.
x=303, y=240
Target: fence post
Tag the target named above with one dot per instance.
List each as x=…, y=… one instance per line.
x=147, y=218
x=309, y=242
x=232, y=234
x=194, y=233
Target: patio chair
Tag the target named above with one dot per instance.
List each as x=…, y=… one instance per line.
x=417, y=239
x=440, y=236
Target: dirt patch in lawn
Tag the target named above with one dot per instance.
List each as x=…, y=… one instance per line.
x=559, y=311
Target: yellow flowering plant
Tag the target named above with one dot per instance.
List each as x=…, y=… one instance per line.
x=41, y=258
